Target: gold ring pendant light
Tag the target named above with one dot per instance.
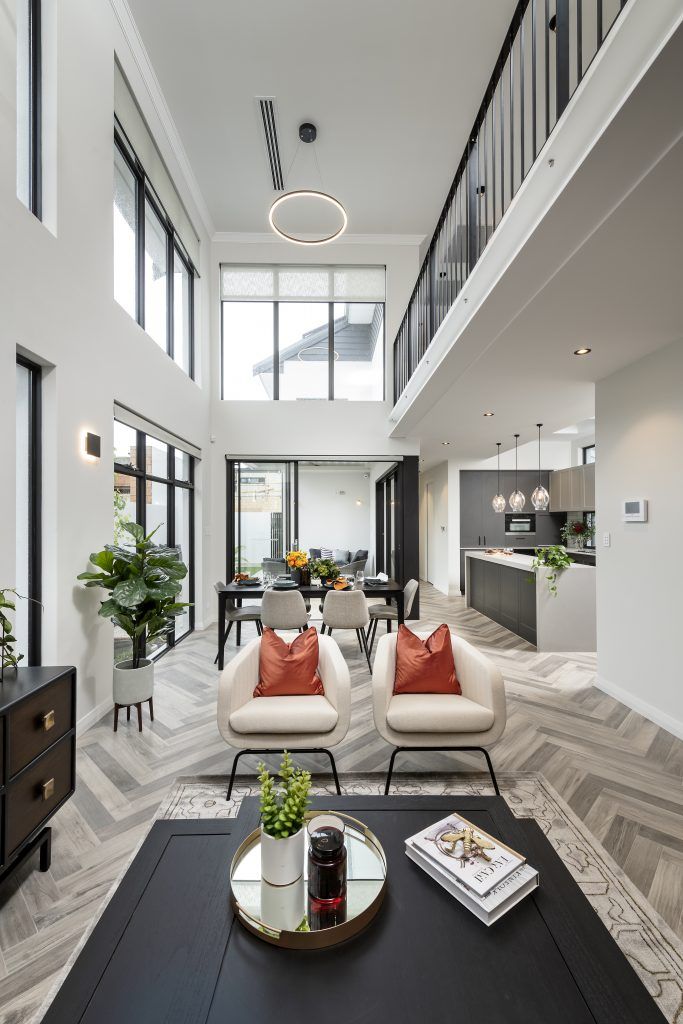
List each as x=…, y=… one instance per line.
x=307, y=134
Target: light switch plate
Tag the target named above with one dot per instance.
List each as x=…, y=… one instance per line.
x=606, y=540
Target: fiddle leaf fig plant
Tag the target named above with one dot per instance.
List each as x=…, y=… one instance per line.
x=554, y=558
x=143, y=581
x=283, y=807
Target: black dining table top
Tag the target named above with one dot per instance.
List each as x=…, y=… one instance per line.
x=389, y=588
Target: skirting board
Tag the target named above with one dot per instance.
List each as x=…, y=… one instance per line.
x=101, y=709
x=649, y=711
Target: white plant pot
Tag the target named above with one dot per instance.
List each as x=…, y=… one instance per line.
x=282, y=860
x=283, y=906
x=133, y=685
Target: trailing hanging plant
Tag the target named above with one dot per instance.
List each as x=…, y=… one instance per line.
x=553, y=558
x=283, y=807
x=143, y=582
x=8, y=658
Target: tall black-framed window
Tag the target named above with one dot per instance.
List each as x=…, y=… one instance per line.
x=588, y=454
x=27, y=623
x=153, y=273
x=589, y=520
x=154, y=486
x=297, y=332
x=35, y=108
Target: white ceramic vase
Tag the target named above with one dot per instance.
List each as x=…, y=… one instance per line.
x=133, y=685
x=283, y=906
x=282, y=860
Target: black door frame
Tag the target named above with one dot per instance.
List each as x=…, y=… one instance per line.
x=35, y=497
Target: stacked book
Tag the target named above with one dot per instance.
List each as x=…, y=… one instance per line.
x=482, y=873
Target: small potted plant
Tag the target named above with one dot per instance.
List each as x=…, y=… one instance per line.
x=554, y=558
x=282, y=822
x=326, y=569
x=8, y=658
x=143, y=583
x=578, y=531
x=298, y=564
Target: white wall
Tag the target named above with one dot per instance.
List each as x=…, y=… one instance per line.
x=56, y=297
x=639, y=430
x=434, y=533
x=329, y=518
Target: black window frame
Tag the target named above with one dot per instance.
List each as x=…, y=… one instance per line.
x=172, y=482
x=589, y=520
x=584, y=452
x=331, y=362
x=146, y=194
x=35, y=547
x=35, y=108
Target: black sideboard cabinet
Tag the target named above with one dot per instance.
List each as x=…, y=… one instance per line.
x=37, y=759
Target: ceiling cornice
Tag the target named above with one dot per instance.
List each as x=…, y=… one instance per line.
x=269, y=237
x=124, y=17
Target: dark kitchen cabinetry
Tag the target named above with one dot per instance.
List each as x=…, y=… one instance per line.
x=505, y=594
x=37, y=759
x=481, y=527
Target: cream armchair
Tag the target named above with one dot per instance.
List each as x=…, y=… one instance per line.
x=435, y=721
x=270, y=725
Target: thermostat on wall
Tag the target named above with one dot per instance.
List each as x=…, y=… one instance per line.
x=635, y=511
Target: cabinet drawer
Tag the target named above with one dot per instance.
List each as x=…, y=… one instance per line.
x=36, y=723
x=2, y=751
x=33, y=795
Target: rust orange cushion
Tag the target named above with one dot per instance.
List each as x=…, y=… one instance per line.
x=425, y=666
x=289, y=670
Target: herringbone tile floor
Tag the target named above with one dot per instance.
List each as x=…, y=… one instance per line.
x=620, y=773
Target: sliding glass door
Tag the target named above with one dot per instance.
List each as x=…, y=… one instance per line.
x=264, y=516
x=388, y=521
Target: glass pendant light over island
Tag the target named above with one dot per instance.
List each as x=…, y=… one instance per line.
x=540, y=499
x=517, y=499
x=498, y=501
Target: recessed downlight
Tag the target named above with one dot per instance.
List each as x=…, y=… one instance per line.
x=445, y=442
x=489, y=414
x=582, y=351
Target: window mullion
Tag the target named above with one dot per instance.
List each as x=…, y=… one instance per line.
x=140, y=255
x=276, y=351
x=330, y=351
x=170, y=276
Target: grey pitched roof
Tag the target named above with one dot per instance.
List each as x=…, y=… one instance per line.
x=352, y=343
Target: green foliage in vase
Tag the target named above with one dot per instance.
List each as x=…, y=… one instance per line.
x=143, y=582
x=325, y=568
x=578, y=530
x=553, y=558
x=283, y=806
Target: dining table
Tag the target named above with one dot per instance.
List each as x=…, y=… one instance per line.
x=238, y=592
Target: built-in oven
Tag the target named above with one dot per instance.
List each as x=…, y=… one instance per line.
x=520, y=523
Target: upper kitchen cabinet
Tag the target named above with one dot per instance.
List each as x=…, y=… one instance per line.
x=573, y=489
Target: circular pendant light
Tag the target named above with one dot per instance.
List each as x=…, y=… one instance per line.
x=498, y=501
x=540, y=499
x=312, y=198
x=517, y=499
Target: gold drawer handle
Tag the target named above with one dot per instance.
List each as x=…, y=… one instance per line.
x=48, y=789
x=48, y=721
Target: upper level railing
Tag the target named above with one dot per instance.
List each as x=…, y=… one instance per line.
x=546, y=52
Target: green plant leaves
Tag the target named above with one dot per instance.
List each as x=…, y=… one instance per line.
x=282, y=811
x=130, y=593
x=135, y=530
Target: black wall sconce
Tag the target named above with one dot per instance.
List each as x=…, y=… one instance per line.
x=93, y=443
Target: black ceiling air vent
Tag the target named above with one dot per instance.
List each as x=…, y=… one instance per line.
x=267, y=110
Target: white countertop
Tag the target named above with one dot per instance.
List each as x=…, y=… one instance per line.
x=516, y=561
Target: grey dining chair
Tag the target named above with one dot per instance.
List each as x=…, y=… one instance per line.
x=284, y=610
x=239, y=614
x=347, y=609
x=389, y=613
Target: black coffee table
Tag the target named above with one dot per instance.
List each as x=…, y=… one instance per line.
x=167, y=947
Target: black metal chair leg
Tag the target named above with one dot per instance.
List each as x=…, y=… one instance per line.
x=238, y=755
x=360, y=645
x=329, y=630
x=322, y=628
x=373, y=632
x=225, y=638
x=239, y=632
x=388, y=625
x=494, y=780
x=391, y=769
x=367, y=652
x=334, y=770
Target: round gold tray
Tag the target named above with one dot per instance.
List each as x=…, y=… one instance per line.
x=282, y=914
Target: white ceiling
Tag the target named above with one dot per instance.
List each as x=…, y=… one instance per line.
x=603, y=270
x=392, y=85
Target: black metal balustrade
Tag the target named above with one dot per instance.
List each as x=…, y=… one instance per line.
x=547, y=51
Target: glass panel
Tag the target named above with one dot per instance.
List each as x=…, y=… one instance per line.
x=589, y=454
x=182, y=541
x=181, y=465
x=155, y=277
x=125, y=445
x=304, y=332
x=23, y=508
x=247, y=350
x=359, y=351
x=125, y=507
x=157, y=511
x=124, y=234
x=262, y=516
x=181, y=313
x=156, y=457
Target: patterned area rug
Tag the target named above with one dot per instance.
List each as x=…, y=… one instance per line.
x=654, y=951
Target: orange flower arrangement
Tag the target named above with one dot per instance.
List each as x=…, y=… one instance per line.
x=297, y=559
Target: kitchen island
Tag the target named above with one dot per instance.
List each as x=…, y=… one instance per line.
x=508, y=590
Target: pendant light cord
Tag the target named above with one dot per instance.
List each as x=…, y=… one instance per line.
x=516, y=487
x=539, y=425
x=499, y=444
